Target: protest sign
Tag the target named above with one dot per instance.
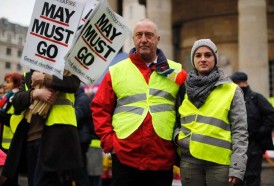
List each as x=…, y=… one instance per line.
x=50, y=35
x=100, y=39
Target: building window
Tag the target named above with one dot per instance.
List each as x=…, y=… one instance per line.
x=19, y=53
x=7, y=65
x=9, y=38
x=20, y=41
x=19, y=67
x=8, y=51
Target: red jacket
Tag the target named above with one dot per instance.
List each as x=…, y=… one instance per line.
x=143, y=149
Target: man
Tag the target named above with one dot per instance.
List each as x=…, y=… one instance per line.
x=260, y=119
x=133, y=112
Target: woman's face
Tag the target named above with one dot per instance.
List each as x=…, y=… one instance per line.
x=204, y=61
x=8, y=84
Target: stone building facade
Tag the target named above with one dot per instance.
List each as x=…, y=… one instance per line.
x=243, y=31
x=12, y=38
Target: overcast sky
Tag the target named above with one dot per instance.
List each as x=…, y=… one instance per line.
x=17, y=11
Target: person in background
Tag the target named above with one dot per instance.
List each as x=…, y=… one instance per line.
x=211, y=125
x=49, y=136
x=260, y=119
x=133, y=112
x=95, y=153
x=85, y=128
x=11, y=85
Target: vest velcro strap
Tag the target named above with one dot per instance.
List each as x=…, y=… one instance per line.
x=132, y=109
x=161, y=108
x=131, y=99
x=63, y=102
x=161, y=93
x=211, y=141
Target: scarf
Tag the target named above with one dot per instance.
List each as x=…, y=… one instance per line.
x=199, y=87
x=4, y=101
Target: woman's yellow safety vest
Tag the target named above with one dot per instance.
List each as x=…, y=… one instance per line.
x=62, y=111
x=135, y=98
x=9, y=131
x=208, y=127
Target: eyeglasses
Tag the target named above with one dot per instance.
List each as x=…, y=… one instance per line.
x=148, y=35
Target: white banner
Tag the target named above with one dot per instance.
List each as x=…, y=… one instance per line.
x=51, y=33
x=101, y=38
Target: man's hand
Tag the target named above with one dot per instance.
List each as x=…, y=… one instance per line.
x=37, y=78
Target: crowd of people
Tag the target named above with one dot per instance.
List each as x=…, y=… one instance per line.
x=147, y=116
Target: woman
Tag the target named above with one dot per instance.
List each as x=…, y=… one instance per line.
x=212, y=127
x=11, y=85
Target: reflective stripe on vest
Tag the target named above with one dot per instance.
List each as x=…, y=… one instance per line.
x=208, y=126
x=135, y=98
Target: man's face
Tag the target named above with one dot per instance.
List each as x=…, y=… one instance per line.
x=146, y=40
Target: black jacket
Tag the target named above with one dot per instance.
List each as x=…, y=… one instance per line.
x=260, y=119
x=83, y=116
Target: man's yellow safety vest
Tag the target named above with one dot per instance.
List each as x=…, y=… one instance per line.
x=135, y=98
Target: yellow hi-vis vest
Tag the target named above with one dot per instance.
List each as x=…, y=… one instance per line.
x=95, y=143
x=62, y=111
x=135, y=98
x=9, y=131
x=271, y=100
x=208, y=126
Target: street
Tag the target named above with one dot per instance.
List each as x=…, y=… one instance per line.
x=267, y=176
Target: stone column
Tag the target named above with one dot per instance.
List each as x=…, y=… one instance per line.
x=160, y=13
x=132, y=12
x=253, y=44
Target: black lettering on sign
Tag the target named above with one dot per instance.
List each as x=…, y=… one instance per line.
x=57, y=13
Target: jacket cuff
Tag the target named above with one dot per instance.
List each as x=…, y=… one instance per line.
x=47, y=80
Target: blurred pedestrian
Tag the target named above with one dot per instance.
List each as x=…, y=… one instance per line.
x=49, y=136
x=211, y=123
x=260, y=119
x=85, y=128
x=95, y=152
x=95, y=162
x=11, y=85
